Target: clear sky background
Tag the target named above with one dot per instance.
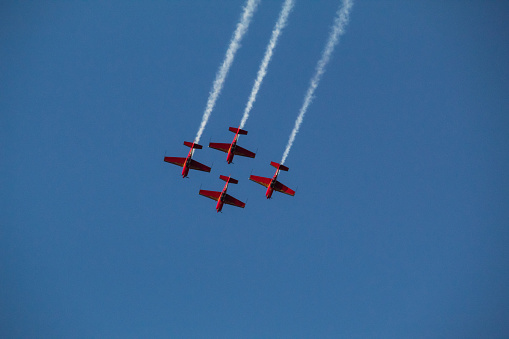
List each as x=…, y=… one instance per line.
x=400, y=225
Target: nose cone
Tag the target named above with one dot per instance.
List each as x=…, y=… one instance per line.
x=269, y=193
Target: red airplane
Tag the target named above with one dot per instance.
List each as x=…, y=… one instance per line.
x=188, y=163
x=232, y=149
x=222, y=197
x=272, y=184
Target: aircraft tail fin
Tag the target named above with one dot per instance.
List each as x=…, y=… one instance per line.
x=278, y=166
x=237, y=130
x=228, y=179
x=192, y=145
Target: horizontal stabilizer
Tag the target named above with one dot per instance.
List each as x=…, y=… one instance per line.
x=278, y=166
x=237, y=130
x=228, y=179
x=192, y=145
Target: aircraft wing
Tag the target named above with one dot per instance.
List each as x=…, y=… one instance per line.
x=283, y=189
x=211, y=194
x=195, y=165
x=228, y=199
x=176, y=161
x=220, y=146
x=244, y=152
x=260, y=180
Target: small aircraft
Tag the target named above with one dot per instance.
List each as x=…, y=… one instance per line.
x=232, y=149
x=222, y=197
x=188, y=163
x=272, y=184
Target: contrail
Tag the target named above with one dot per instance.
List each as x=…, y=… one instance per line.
x=280, y=24
x=242, y=27
x=338, y=29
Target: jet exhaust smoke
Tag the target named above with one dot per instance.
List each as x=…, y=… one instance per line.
x=338, y=29
x=242, y=27
x=262, y=71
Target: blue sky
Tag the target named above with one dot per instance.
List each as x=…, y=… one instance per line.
x=399, y=228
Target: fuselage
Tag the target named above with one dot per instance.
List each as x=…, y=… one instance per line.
x=220, y=201
x=185, y=168
x=270, y=188
x=231, y=151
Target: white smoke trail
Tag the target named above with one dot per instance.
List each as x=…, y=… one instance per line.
x=337, y=30
x=242, y=27
x=280, y=24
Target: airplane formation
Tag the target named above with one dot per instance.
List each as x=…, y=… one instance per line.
x=231, y=149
